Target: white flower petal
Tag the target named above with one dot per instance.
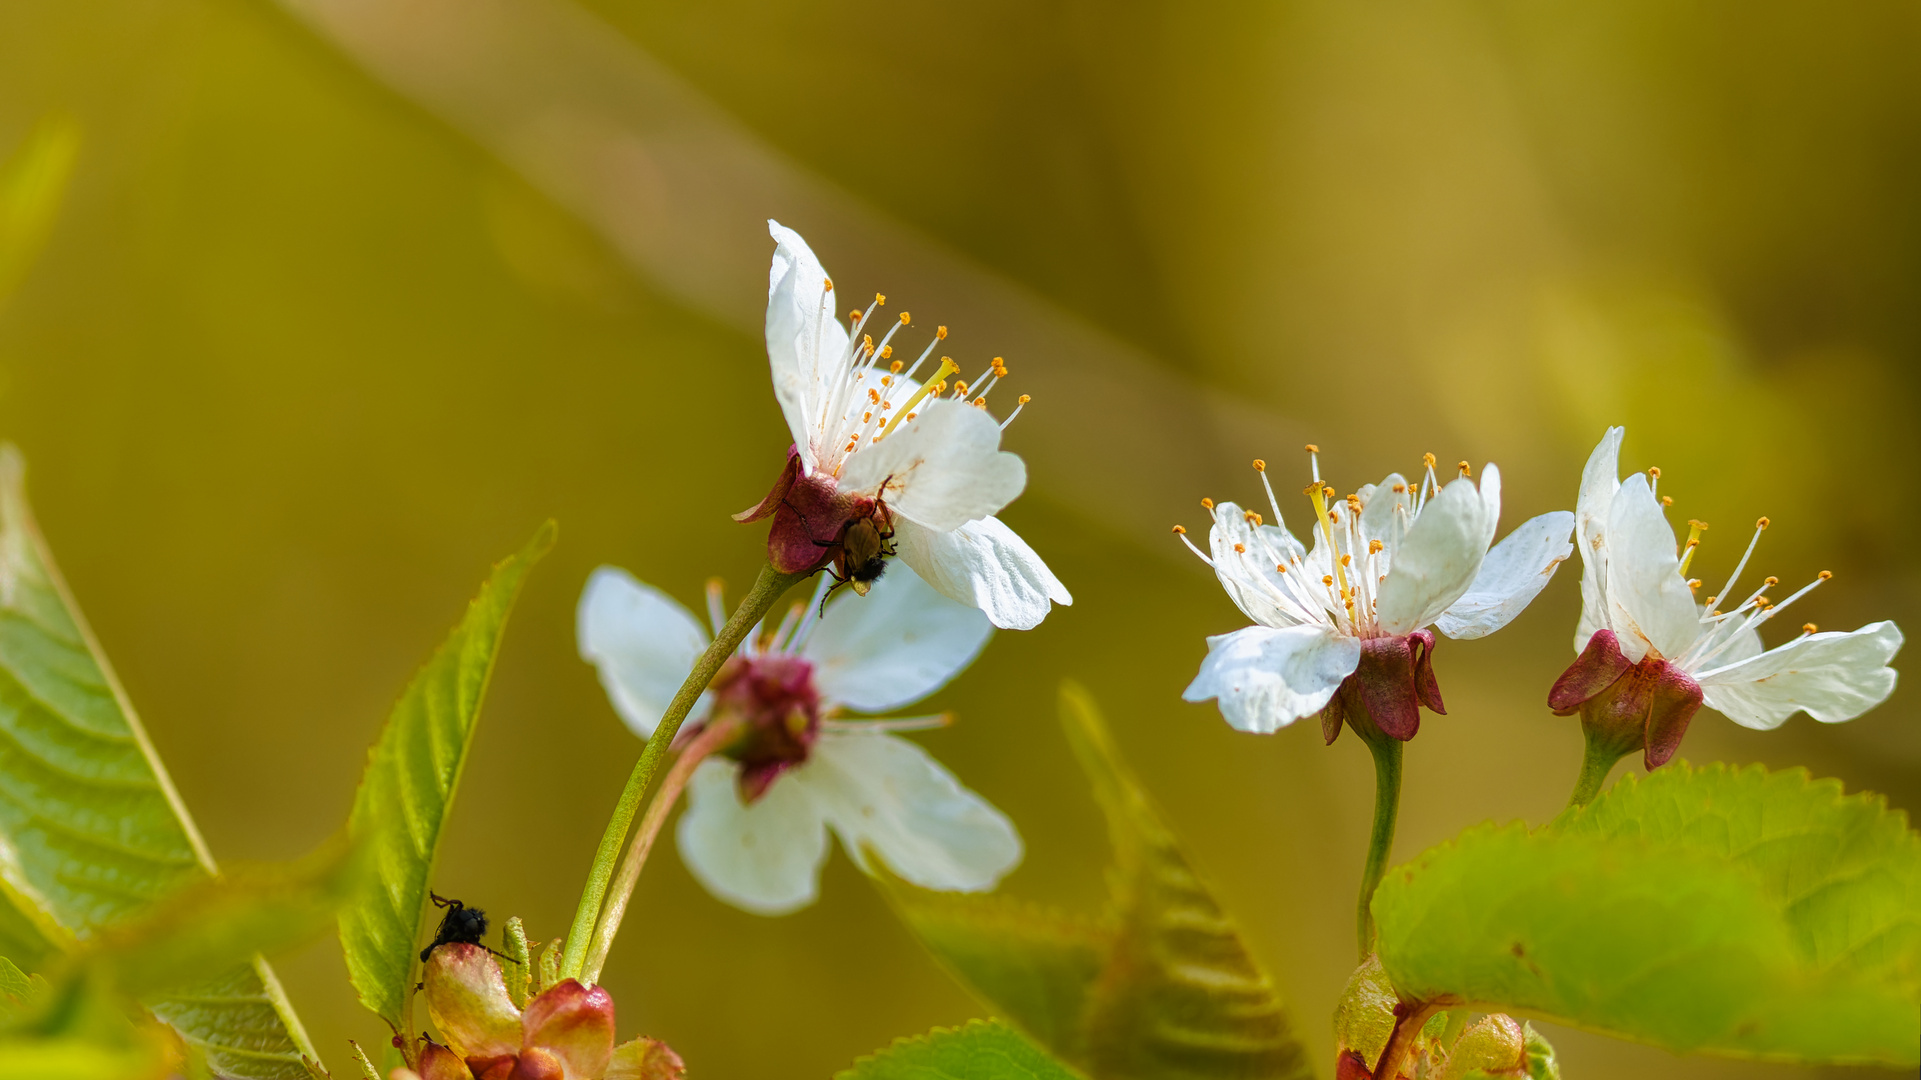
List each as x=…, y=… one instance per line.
x=763, y=858
x=805, y=342
x=641, y=641
x=1600, y=479
x=1649, y=604
x=942, y=469
x=1385, y=513
x=886, y=796
x=1832, y=677
x=894, y=646
x=1265, y=679
x=1490, y=490
x=1511, y=576
x=1437, y=561
x=985, y=564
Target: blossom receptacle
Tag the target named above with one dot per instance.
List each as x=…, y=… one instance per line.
x=890, y=458
x=773, y=704
x=565, y=1033
x=811, y=519
x=1384, y=695
x=1625, y=706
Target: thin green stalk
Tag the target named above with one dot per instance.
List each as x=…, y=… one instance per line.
x=1596, y=762
x=711, y=738
x=1387, y=806
x=767, y=590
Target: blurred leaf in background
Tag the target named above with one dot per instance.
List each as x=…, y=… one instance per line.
x=32, y=181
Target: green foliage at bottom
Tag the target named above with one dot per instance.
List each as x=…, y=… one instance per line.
x=980, y=1050
x=1735, y=912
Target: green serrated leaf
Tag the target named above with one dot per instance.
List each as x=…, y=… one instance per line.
x=1180, y=996
x=1843, y=870
x=1160, y=986
x=1739, y=913
x=94, y=831
x=1033, y=965
x=412, y=774
x=979, y=1050
x=206, y=929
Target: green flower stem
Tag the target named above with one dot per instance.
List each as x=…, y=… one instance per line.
x=1596, y=762
x=767, y=590
x=1387, y=806
x=711, y=738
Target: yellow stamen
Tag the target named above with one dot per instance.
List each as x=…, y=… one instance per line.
x=1667, y=500
x=1374, y=547
x=880, y=298
x=947, y=367
x=1808, y=628
x=1252, y=517
x=1206, y=503
x=1022, y=400
x=1318, y=495
x=1825, y=574
x=896, y=365
x=1180, y=530
x=1464, y=469
x=1428, y=460
x=1240, y=549
x=1695, y=529
x=905, y=318
x=940, y=332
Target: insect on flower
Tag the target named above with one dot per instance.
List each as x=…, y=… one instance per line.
x=462, y=925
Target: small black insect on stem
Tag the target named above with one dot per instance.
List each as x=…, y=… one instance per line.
x=462, y=925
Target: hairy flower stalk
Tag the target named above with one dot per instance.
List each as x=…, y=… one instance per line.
x=1341, y=630
x=1649, y=655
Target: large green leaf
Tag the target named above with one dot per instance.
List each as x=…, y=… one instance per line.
x=408, y=788
x=1732, y=912
x=93, y=831
x=1160, y=985
x=980, y=1050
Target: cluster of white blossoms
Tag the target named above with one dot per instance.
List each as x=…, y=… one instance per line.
x=887, y=462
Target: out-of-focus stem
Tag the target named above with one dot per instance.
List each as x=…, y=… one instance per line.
x=767, y=590
x=1387, y=805
x=712, y=738
x=1596, y=762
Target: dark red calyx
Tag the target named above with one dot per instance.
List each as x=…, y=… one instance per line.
x=1626, y=706
x=811, y=518
x=1349, y=1066
x=773, y=703
x=1384, y=695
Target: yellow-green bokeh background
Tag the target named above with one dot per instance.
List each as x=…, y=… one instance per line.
x=299, y=360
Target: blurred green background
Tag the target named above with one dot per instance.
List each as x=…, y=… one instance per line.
x=300, y=358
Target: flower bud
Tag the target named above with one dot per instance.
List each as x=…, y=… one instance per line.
x=1494, y=1046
